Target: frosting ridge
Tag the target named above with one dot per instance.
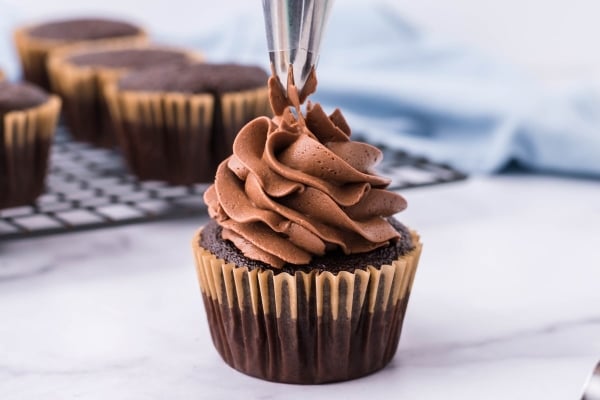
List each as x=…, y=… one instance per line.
x=296, y=186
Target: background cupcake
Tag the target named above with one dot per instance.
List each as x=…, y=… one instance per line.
x=28, y=117
x=304, y=273
x=79, y=77
x=34, y=43
x=176, y=123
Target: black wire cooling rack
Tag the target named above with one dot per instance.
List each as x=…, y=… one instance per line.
x=89, y=188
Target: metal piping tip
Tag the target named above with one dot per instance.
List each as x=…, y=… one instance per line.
x=591, y=391
x=294, y=30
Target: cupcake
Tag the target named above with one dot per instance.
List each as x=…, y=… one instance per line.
x=176, y=123
x=304, y=272
x=1, y=75
x=34, y=43
x=79, y=78
x=29, y=116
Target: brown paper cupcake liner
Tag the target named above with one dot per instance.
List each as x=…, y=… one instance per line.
x=82, y=90
x=237, y=109
x=305, y=328
x=33, y=52
x=26, y=138
x=1, y=75
x=170, y=136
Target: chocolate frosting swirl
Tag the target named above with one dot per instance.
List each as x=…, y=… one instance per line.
x=296, y=186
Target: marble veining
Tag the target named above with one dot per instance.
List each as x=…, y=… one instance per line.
x=113, y=368
x=62, y=255
x=7, y=276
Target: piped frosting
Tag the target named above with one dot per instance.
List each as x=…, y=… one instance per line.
x=297, y=187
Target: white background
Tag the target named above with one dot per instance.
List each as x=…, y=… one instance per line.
x=557, y=40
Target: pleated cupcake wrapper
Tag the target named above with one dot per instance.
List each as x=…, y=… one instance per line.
x=82, y=89
x=237, y=109
x=1, y=76
x=34, y=52
x=308, y=327
x=26, y=140
x=169, y=136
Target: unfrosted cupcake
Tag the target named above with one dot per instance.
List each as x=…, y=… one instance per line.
x=304, y=272
x=28, y=117
x=34, y=43
x=176, y=123
x=79, y=77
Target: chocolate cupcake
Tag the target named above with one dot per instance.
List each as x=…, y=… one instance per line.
x=79, y=78
x=175, y=123
x=34, y=43
x=304, y=272
x=28, y=117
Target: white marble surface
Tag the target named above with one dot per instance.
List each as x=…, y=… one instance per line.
x=505, y=306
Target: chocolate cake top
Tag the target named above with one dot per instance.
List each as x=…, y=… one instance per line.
x=83, y=29
x=212, y=240
x=20, y=96
x=195, y=78
x=129, y=58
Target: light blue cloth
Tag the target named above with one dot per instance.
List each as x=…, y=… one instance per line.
x=408, y=90
x=405, y=89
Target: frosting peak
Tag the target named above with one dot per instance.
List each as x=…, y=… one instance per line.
x=296, y=186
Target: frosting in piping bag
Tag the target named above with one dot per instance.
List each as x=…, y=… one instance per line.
x=296, y=186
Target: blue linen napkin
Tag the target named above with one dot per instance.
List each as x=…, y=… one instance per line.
x=406, y=89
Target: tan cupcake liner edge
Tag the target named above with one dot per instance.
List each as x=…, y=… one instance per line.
x=142, y=120
x=33, y=52
x=340, y=294
x=68, y=79
x=27, y=138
